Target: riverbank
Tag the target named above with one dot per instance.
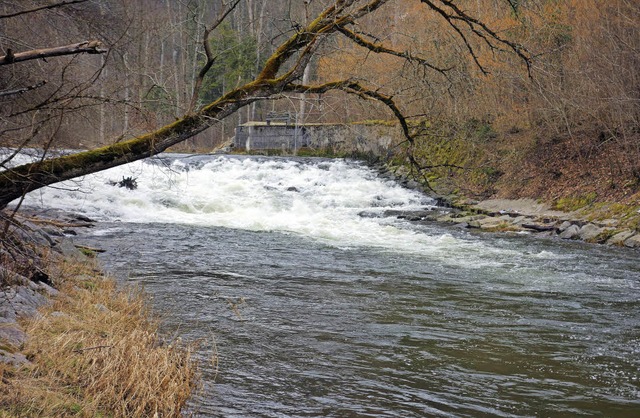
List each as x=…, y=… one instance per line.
x=74, y=343
x=608, y=223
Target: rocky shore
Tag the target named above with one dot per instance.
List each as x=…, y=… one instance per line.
x=27, y=273
x=72, y=341
x=526, y=216
x=530, y=216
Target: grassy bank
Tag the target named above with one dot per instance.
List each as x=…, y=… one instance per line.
x=479, y=160
x=95, y=351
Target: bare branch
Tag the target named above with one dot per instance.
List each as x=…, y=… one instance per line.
x=353, y=87
x=478, y=28
x=37, y=9
x=380, y=49
x=22, y=89
x=89, y=47
x=209, y=55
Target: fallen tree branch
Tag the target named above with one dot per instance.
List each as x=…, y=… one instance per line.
x=89, y=47
x=92, y=249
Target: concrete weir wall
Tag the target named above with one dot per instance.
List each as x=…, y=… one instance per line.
x=375, y=138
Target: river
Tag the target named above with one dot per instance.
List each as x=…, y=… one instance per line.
x=316, y=310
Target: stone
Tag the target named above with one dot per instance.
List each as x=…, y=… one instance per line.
x=473, y=224
x=101, y=308
x=489, y=223
x=68, y=250
x=563, y=226
x=620, y=237
x=14, y=359
x=48, y=289
x=12, y=334
x=571, y=232
x=633, y=242
x=589, y=232
x=540, y=227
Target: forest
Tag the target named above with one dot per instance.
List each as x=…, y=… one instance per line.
x=530, y=98
x=319, y=287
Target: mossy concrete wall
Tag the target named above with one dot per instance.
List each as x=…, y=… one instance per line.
x=367, y=138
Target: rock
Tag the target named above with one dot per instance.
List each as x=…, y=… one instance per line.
x=14, y=359
x=571, y=232
x=52, y=231
x=12, y=334
x=539, y=227
x=620, y=237
x=633, y=242
x=26, y=301
x=607, y=223
x=473, y=224
x=84, y=219
x=490, y=223
x=563, y=226
x=48, y=289
x=411, y=215
x=101, y=308
x=68, y=250
x=10, y=277
x=589, y=232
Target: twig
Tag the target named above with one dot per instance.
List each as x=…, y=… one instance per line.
x=97, y=347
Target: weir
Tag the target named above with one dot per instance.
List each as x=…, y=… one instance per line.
x=278, y=133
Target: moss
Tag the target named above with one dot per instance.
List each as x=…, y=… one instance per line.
x=573, y=203
x=379, y=122
x=604, y=236
x=503, y=227
x=87, y=252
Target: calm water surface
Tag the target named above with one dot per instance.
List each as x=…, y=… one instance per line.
x=317, y=311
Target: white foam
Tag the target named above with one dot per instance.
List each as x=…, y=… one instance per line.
x=321, y=200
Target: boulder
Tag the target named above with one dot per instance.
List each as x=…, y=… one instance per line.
x=540, y=227
x=633, y=242
x=620, y=237
x=68, y=250
x=570, y=232
x=589, y=232
x=490, y=223
x=12, y=334
x=563, y=226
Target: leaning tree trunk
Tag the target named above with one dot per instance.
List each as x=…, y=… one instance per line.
x=16, y=182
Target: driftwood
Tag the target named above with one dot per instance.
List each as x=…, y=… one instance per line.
x=94, y=250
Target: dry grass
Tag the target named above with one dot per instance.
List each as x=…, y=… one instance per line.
x=96, y=352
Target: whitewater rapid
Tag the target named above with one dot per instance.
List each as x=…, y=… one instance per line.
x=321, y=199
